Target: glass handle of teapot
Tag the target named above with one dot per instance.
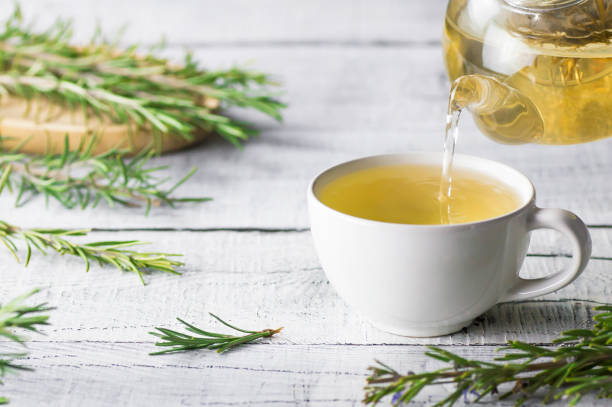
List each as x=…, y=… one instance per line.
x=572, y=227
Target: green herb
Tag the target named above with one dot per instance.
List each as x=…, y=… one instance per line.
x=14, y=315
x=116, y=253
x=143, y=91
x=582, y=364
x=180, y=342
x=110, y=177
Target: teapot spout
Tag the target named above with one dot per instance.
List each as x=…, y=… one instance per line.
x=501, y=112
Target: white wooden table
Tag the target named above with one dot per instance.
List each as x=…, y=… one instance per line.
x=361, y=77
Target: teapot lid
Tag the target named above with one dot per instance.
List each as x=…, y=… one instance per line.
x=564, y=23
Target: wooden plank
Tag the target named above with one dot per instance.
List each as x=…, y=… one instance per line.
x=271, y=278
x=345, y=103
x=241, y=23
x=121, y=374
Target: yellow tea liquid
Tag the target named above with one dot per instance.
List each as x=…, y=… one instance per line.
x=410, y=194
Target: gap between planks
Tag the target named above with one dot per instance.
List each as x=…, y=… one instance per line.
x=291, y=44
x=304, y=230
x=302, y=345
x=205, y=230
x=238, y=229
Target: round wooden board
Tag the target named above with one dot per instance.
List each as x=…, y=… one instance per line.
x=41, y=127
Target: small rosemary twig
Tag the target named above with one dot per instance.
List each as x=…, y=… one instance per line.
x=80, y=179
x=115, y=253
x=583, y=364
x=14, y=315
x=180, y=342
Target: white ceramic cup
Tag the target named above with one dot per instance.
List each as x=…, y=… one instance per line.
x=430, y=280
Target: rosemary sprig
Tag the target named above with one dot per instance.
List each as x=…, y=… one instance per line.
x=79, y=179
x=141, y=90
x=180, y=342
x=581, y=365
x=115, y=253
x=15, y=315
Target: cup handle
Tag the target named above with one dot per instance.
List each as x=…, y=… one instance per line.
x=571, y=226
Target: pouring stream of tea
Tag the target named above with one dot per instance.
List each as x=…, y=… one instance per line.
x=509, y=116
x=450, y=140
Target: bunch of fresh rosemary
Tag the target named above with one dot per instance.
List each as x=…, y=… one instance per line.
x=15, y=315
x=581, y=364
x=143, y=91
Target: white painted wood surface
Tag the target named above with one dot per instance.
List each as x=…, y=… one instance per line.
x=361, y=77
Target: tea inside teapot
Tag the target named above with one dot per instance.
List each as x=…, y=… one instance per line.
x=532, y=71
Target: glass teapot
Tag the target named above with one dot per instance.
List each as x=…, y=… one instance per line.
x=532, y=71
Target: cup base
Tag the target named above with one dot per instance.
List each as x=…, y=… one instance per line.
x=423, y=332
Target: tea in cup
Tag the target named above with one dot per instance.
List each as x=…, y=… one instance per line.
x=416, y=264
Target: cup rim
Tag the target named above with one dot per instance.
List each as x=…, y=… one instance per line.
x=529, y=202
